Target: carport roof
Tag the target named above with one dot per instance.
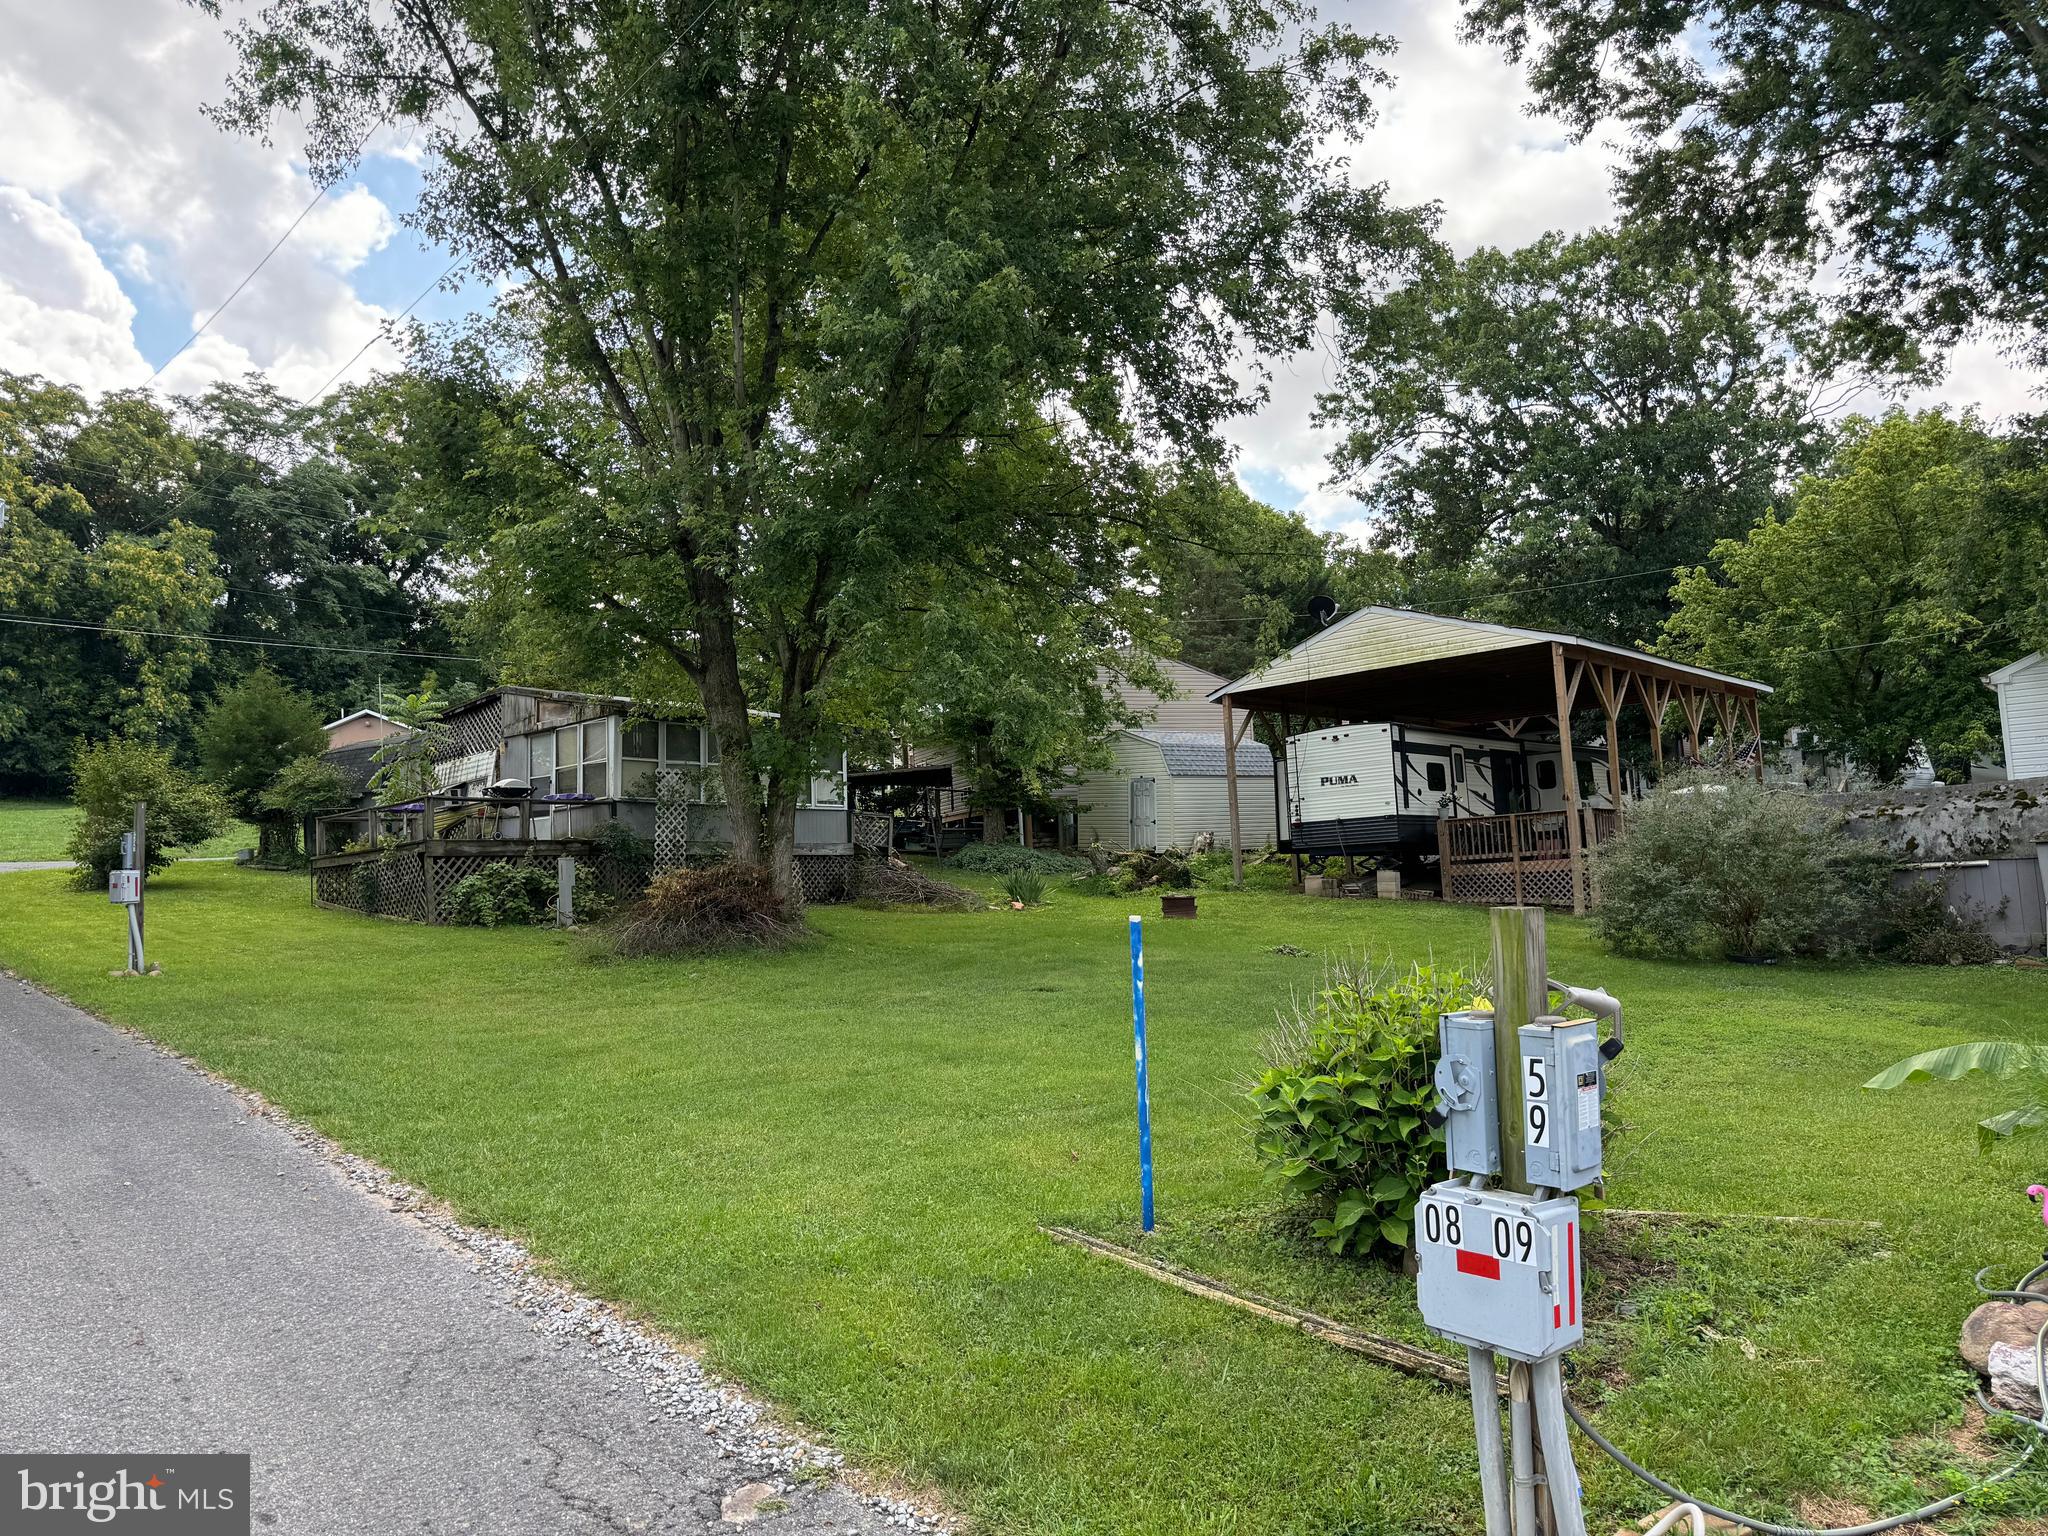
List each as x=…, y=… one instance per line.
x=1425, y=668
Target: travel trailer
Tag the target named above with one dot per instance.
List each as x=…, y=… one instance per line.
x=1379, y=788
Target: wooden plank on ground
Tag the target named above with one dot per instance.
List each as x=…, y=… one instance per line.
x=1411, y=1358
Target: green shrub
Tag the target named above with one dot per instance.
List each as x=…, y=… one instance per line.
x=1712, y=864
x=1340, y=1113
x=1917, y=924
x=1025, y=886
x=109, y=777
x=627, y=850
x=502, y=892
x=1008, y=858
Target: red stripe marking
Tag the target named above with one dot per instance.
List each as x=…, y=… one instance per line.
x=1571, y=1267
x=1557, y=1317
x=1484, y=1265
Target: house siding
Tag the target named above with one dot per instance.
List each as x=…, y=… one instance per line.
x=2023, y=717
x=1188, y=710
x=1102, y=796
x=1197, y=805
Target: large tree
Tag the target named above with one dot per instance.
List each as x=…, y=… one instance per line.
x=1870, y=604
x=774, y=277
x=1909, y=139
x=1555, y=429
x=251, y=733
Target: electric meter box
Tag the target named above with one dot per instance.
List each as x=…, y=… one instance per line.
x=1561, y=1087
x=1500, y=1270
x=1465, y=1092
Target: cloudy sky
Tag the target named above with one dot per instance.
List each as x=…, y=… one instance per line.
x=126, y=218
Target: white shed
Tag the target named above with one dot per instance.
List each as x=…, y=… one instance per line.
x=2022, y=690
x=1166, y=788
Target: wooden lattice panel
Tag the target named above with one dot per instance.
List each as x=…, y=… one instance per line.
x=481, y=729
x=870, y=830
x=671, y=819
x=825, y=877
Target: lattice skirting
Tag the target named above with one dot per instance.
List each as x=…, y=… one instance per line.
x=397, y=884
x=1545, y=882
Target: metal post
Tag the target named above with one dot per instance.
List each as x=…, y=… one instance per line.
x=1144, y=1097
x=1521, y=1450
x=138, y=860
x=1561, y=1483
x=565, y=890
x=1493, y=1475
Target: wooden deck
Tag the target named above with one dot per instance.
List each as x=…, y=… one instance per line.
x=1524, y=859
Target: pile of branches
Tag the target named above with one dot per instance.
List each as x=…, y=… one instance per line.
x=893, y=883
x=726, y=906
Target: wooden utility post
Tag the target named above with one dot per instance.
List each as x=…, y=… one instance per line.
x=1521, y=992
x=1574, y=833
x=1230, y=793
x=1521, y=968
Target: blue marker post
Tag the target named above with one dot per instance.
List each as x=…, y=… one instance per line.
x=1144, y=1096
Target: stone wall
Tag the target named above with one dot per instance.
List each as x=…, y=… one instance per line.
x=1953, y=821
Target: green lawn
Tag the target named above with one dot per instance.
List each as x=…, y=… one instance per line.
x=829, y=1166
x=33, y=830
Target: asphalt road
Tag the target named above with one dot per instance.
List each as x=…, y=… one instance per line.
x=180, y=1275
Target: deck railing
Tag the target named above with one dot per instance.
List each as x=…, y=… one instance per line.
x=1523, y=858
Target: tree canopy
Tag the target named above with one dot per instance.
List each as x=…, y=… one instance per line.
x=1547, y=433
x=236, y=516
x=1909, y=140
x=254, y=730
x=794, y=282
x=1899, y=576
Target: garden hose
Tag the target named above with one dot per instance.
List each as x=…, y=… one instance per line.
x=1891, y=1522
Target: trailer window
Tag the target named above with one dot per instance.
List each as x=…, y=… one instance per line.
x=1434, y=773
x=1546, y=773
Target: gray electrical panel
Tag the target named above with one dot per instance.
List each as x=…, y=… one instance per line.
x=1465, y=1092
x=1561, y=1088
x=1500, y=1270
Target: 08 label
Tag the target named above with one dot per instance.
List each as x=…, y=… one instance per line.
x=1512, y=1239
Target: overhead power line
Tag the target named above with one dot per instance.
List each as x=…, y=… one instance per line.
x=319, y=197
x=283, y=645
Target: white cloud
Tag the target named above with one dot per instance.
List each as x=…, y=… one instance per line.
x=61, y=311
x=105, y=123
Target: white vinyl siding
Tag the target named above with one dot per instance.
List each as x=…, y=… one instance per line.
x=1102, y=796
x=2023, y=718
x=1184, y=805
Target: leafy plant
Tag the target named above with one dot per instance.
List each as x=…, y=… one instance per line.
x=1340, y=1112
x=109, y=777
x=405, y=758
x=501, y=892
x=1007, y=858
x=1719, y=864
x=254, y=731
x=1025, y=886
x=2000, y=1059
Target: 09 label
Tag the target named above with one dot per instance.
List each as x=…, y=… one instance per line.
x=1509, y=1238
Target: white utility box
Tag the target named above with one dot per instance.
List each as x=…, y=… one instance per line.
x=1500, y=1270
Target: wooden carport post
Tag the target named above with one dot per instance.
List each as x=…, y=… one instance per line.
x=1574, y=836
x=1756, y=729
x=1230, y=793
x=1613, y=689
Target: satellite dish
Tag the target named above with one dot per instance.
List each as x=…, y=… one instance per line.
x=1322, y=609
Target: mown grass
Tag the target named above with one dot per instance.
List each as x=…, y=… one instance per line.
x=830, y=1164
x=36, y=830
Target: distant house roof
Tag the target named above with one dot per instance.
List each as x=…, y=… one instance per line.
x=361, y=714
x=356, y=762
x=2013, y=669
x=1199, y=754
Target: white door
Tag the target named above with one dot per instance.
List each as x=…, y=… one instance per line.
x=1144, y=815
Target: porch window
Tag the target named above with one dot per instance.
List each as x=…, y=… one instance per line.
x=597, y=745
x=567, y=756
x=540, y=771
x=639, y=756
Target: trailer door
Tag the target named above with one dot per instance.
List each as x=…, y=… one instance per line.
x=1510, y=783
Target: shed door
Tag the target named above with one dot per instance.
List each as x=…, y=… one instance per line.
x=1144, y=814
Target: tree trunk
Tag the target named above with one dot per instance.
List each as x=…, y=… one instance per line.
x=991, y=824
x=782, y=871
x=725, y=710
